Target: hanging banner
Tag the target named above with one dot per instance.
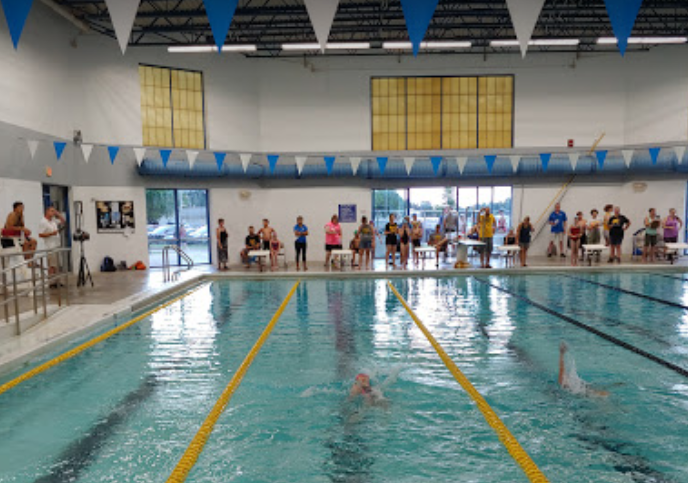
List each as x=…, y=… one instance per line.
x=680, y=152
x=329, y=164
x=220, y=14
x=165, y=156
x=545, y=158
x=409, y=162
x=462, y=162
x=245, y=160
x=300, y=163
x=515, y=161
x=322, y=13
x=490, y=161
x=382, y=164
x=113, y=151
x=16, y=13
x=628, y=156
x=524, y=17
x=191, y=156
x=622, y=15
x=418, y=14
x=59, y=148
x=355, y=163
x=654, y=154
x=139, y=154
x=86, y=150
x=272, y=161
x=123, y=13
x=573, y=158
x=436, y=163
x=220, y=160
x=601, y=157
x=33, y=147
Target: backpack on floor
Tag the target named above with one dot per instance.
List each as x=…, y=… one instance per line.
x=108, y=265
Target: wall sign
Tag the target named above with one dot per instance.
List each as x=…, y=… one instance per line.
x=115, y=216
x=347, y=214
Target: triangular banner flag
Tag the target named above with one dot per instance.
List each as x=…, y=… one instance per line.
x=436, y=163
x=33, y=147
x=490, y=161
x=628, y=156
x=680, y=152
x=524, y=17
x=220, y=159
x=16, y=13
x=462, y=162
x=409, y=162
x=622, y=15
x=165, y=156
x=300, y=163
x=654, y=154
x=545, y=158
x=418, y=14
x=191, y=156
x=123, y=13
x=86, y=150
x=245, y=160
x=59, y=148
x=139, y=154
x=272, y=161
x=355, y=163
x=220, y=14
x=382, y=164
x=113, y=151
x=515, y=161
x=601, y=157
x=322, y=13
x=574, y=157
x=329, y=164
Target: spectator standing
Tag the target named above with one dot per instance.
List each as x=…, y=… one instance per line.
x=405, y=241
x=594, y=226
x=300, y=245
x=265, y=234
x=486, y=224
x=672, y=224
x=222, y=245
x=652, y=224
x=49, y=232
x=367, y=239
x=524, y=233
x=575, y=236
x=391, y=240
x=333, y=238
x=608, y=213
x=618, y=224
x=416, y=237
x=558, y=223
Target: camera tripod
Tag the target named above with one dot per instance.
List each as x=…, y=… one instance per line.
x=84, y=271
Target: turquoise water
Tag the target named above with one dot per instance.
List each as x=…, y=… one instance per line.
x=126, y=410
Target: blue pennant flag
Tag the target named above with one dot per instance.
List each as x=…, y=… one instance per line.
x=16, y=13
x=220, y=159
x=113, y=151
x=382, y=164
x=165, y=155
x=490, y=160
x=418, y=14
x=329, y=163
x=436, y=163
x=220, y=14
x=601, y=157
x=654, y=154
x=622, y=15
x=545, y=158
x=59, y=148
x=272, y=160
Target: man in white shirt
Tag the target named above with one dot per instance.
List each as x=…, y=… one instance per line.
x=49, y=232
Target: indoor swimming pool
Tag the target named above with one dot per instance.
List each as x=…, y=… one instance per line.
x=126, y=409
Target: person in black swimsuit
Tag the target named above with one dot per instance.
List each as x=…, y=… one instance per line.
x=404, y=241
x=524, y=233
x=391, y=230
x=222, y=245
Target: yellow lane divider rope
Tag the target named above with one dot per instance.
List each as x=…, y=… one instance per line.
x=87, y=345
x=193, y=452
x=508, y=440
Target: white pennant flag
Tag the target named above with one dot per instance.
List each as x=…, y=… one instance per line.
x=573, y=158
x=86, y=150
x=322, y=13
x=139, y=154
x=355, y=163
x=192, y=156
x=628, y=156
x=301, y=162
x=524, y=17
x=123, y=14
x=33, y=147
x=515, y=161
x=245, y=160
x=409, y=162
x=462, y=162
x=680, y=152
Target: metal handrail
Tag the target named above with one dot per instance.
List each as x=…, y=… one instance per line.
x=166, y=266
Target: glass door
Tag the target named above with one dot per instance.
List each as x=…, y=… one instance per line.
x=385, y=203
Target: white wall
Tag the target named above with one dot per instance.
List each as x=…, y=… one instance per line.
x=281, y=207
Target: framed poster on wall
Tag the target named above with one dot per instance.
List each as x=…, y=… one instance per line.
x=115, y=216
x=347, y=213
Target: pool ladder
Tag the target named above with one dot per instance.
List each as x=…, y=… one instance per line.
x=168, y=274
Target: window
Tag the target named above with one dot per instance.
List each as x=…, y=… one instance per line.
x=172, y=111
x=416, y=113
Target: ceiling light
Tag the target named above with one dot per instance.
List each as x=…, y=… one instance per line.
x=504, y=43
x=201, y=49
x=348, y=45
x=536, y=42
x=437, y=44
x=644, y=40
x=300, y=46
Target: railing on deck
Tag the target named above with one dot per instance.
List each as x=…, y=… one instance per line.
x=166, y=266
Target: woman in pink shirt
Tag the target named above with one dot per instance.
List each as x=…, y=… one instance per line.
x=333, y=238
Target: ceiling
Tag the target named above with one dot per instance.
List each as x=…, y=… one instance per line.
x=270, y=23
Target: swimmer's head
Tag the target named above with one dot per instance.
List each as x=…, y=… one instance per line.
x=363, y=380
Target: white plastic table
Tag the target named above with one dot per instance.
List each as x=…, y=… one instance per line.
x=462, y=250
x=424, y=251
x=263, y=256
x=343, y=254
x=673, y=250
x=590, y=251
x=510, y=252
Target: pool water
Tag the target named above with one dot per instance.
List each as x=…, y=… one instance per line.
x=125, y=410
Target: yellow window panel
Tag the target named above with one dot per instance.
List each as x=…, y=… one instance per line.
x=392, y=88
x=182, y=101
x=436, y=83
x=499, y=104
x=198, y=82
x=410, y=86
x=482, y=85
x=376, y=141
x=168, y=139
x=167, y=118
x=376, y=125
x=412, y=105
x=376, y=105
x=393, y=110
x=436, y=104
x=508, y=143
x=436, y=140
x=491, y=86
x=392, y=124
x=384, y=88
x=411, y=142
x=384, y=124
x=473, y=86
x=384, y=142
x=199, y=122
x=375, y=88
x=427, y=140
x=509, y=86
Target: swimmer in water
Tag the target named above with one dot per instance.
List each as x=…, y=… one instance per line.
x=363, y=388
x=569, y=380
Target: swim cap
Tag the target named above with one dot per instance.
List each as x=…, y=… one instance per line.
x=362, y=376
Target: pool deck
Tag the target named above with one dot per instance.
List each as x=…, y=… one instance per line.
x=115, y=296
